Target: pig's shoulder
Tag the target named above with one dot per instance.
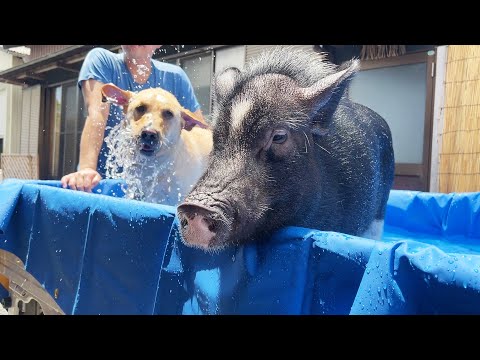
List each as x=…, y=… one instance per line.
x=361, y=115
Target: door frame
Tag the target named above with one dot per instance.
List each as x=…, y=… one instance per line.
x=46, y=137
x=420, y=171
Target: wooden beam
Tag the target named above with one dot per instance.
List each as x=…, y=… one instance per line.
x=32, y=76
x=13, y=82
x=45, y=69
x=63, y=66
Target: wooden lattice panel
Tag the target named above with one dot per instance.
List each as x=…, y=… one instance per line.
x=20, y=166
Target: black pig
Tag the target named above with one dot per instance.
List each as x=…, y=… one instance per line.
x=289, y=148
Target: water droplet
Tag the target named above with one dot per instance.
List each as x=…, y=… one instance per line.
x=476, y=270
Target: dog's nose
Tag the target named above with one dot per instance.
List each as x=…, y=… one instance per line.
x=149, y=135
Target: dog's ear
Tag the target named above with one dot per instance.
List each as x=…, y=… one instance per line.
x=113, y=94
x=191, y=120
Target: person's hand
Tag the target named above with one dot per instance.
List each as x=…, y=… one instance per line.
x=83, y=180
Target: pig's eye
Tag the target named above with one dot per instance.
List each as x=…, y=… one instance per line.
x=141, y=109
x=167, y=114
x=280, y=136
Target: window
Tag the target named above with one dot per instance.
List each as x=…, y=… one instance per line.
x=55, y=139
x=398, y=95
x=66, y=124
x=199, y=70
x=400, y=89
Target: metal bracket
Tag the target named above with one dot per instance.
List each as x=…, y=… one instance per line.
x=24, y=287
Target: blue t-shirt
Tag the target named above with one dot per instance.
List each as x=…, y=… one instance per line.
x=107, y=67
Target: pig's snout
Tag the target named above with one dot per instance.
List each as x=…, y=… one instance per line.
x=200, y=226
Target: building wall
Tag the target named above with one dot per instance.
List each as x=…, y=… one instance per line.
x=38, y=51
x=233, y=56
x=30, y=120
x=10, y=108
x=459, y=156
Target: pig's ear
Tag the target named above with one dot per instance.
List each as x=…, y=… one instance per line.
x=113, y=94
x=325, y=92
x=224, y=83
x=191, y=120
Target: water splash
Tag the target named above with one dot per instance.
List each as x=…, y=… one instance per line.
x=145, y=177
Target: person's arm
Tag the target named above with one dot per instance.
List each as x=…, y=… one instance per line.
x=91, y=141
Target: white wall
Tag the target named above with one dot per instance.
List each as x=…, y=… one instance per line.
x=10, y=108
x=5, y=63
x=3, y=112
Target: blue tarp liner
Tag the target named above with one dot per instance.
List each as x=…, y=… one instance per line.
x=109, y=255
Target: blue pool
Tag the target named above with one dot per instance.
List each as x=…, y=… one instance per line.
x=102, y=254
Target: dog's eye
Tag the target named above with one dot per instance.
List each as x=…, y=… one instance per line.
x=141, y=109
x=167, y=114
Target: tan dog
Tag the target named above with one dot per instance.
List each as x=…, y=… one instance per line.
x=171, y=144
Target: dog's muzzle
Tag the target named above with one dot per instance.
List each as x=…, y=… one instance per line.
x=149, y=142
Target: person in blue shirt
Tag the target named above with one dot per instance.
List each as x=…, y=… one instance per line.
x=134, y=70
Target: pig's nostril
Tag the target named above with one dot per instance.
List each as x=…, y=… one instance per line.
x=198, y=216
x=212, y=227
x=184, y=223
x=211, y=224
